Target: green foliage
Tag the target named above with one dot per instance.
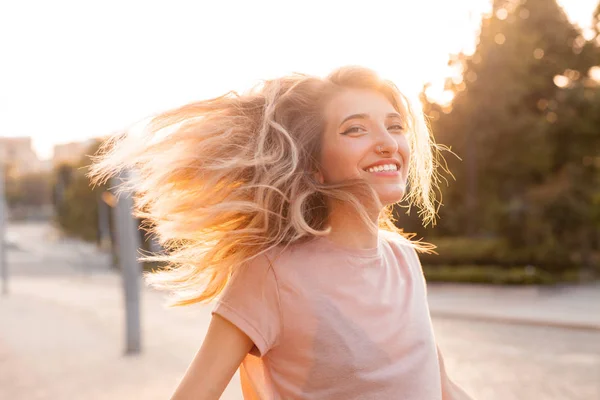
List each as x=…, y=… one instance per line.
x=76, y=202
x=463, y=250
x=32, y=190
x=485, y=274
x=78, y=213
x=525, y=121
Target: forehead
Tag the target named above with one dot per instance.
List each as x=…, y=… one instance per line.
x=357, y=101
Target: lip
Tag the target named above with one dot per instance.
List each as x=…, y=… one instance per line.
x=389, y=174
x=383, y=162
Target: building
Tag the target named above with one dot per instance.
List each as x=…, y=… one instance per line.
x=19, y=157
x=71, y=153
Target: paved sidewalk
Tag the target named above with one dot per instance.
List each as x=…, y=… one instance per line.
x=62, y=327
x=64, y=337
x=575, y=307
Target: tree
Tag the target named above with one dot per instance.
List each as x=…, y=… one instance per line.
x=522, y=94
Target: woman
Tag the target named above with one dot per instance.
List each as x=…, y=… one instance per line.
x=278, y=204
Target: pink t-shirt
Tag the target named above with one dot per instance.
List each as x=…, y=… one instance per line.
x=330, y=322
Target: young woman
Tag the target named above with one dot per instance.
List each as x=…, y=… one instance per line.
x=278, y=204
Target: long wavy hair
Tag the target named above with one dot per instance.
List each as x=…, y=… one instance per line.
x=224, y=180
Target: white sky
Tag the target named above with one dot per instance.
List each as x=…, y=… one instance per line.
x=71, y=70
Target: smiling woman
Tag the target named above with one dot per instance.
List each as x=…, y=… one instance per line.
x=278, y=203
x=347, y=146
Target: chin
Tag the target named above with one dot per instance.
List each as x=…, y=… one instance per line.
x=388, y=198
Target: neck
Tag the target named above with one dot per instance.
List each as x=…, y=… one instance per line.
x=348, y=229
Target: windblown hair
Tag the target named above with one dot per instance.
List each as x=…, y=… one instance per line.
x=222, y=181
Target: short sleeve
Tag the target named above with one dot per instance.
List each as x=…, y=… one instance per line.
x=407, y=249
x=251, y=303
x=418, y=267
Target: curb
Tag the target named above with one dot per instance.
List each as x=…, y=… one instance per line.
x=587, y=326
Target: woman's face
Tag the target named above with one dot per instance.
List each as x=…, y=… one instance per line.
x=365, y=137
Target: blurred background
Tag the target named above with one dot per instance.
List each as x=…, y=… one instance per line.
x=510, y=87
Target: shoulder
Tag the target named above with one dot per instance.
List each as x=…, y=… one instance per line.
x=261, y=261
x=276, y=263
x=407, y=250
x=403, y=246
x=397, y=240
x=254, y=273
x=251, y=302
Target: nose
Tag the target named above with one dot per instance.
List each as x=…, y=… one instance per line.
x=385, y=142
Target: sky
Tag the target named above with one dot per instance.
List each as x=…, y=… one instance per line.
x=73, y=70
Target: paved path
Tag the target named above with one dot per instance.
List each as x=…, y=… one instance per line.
x=63, y=324
x=64, y=339
x=566, y=306
x=62, y=331
x=496, y=361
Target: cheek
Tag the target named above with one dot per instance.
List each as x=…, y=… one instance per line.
x=339, y=162
x=404, y=149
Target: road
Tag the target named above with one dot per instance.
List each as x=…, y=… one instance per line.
x=62, y=331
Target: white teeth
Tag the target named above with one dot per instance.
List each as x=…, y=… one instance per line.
x=386, y=167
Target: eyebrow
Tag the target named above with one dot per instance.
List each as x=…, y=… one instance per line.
x=366, y=116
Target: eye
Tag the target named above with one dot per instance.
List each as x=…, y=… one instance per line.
x=396, y=127
x=354, y=129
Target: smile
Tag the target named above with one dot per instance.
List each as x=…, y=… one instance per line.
x=383, y=168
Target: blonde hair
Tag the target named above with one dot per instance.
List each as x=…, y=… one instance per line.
x=222, y=181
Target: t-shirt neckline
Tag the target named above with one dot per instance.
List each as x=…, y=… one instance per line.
x=371, y=252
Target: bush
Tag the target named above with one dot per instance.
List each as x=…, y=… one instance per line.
x=75, y=201
x=77, y=214
x=491, y=275
x=32, y=190
x=496, y=251
x=464, y=251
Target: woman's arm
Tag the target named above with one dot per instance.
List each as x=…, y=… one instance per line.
x=221, y=353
